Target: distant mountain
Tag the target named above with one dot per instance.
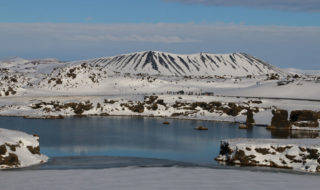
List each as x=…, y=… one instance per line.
x=303, y=72
x=202, y=64
x=17, y=74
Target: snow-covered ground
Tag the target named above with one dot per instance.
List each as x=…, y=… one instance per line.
x=18, y=149
x=177, y=106
x=155, y=178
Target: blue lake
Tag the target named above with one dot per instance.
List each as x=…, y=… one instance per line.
x=120, y=141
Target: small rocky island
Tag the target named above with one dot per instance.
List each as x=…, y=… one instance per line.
x=18, y=149
x=297, y=154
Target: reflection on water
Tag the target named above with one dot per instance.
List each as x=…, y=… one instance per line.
x=98, y=162
x=134, y=137
x=285, y=133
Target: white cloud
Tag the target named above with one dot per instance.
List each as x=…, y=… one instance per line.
x=148, y=33
x=290, y=5
x=128, y=38
x=280, y=45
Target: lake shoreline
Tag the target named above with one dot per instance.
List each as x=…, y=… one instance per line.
x=47, y=117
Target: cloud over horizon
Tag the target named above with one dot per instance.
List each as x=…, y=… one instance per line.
x=283, y=46
x=287, y=5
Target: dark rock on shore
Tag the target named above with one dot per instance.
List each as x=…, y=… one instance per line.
x=304, y=118
x=250, y=121
x=280, y=119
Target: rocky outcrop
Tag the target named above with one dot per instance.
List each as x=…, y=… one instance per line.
x=298, y=154
x=249, y=121
x=280, y=119
x=304, y=118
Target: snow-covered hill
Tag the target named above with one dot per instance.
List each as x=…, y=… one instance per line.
x=16, y=73
x=142, y=72
x=202, y=64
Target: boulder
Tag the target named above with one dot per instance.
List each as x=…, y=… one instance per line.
x=243, y=126
x=280, y=119
x=250, y=121
x=304, y=118
x=201, y=128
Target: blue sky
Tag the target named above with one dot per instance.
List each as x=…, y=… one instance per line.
x=147, y=11
x=285, y=33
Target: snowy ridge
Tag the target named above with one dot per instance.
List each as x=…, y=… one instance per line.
x=17, y=74
x=75, y=76
x=202, y=64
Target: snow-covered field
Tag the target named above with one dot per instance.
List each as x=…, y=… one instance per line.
x=175, y=106
x=155, y=178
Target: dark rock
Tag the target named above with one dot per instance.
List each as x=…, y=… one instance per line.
x=177, y=114
x=304, y=118
x=256, y=101
x=250, y=121
x=201, y=128
x=303, y=115
x=280, y=119
x=58, y=81
x=54, y=117
x=263, y=151
x=12, y=146
x=11, y=160
x=106, y=101
x=246, y=160
x=313, y=153
x=281, y=149
x=233, y=109
x=242, y=126
x=34, y=150
x=79, y=108
x=150, y=99
x=139, y=107
x=3, y=149
x=224, y=149
x=154, y=106
x=216, y=104
x=161, y=102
